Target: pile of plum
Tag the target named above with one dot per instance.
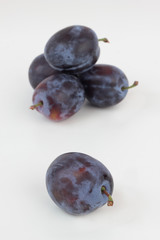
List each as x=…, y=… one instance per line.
x=66, y=74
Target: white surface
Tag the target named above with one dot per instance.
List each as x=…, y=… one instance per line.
x=126, y=138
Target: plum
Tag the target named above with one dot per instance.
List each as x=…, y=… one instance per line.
x=105, y=85
x=59, y=96
x=73, y=49
x=78, y=183
x=39, y=70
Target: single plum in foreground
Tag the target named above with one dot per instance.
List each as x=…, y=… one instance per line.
x=59, y=96
x=105, y=85
x=39, y=70
x=78, y=183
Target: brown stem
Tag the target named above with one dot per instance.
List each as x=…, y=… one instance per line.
x=36, y=105
x=110, y=200
x=133, y=85
x=103, y=40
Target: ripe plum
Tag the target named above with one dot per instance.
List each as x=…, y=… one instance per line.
x=73, y=49
x=78, y=183
x=59, y=96
x=105, y=85
x=39, y=70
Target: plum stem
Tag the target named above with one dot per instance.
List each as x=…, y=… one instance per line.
x=103, y=40
x=133, y=85
x=110, y=200
x=36, y=105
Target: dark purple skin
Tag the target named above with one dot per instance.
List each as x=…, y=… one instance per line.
x=73, y=49
x=104, y=85
x=39, y=70
x=61, y=95
x=74, y=181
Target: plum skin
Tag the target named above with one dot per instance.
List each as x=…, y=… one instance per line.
x=73, y=49
x=61, y=95
x=39, y=70
x=74, y=182
x=104, y=85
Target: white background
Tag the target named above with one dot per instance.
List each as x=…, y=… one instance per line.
x=126, y=138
